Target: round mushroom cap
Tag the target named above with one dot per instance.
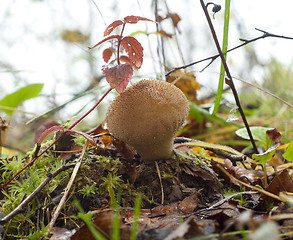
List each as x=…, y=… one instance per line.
x=147, y=116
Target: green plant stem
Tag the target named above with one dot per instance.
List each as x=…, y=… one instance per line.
x=136, y=216
x=224, y=50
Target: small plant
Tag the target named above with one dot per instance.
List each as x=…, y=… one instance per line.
x=270, y=139
x=10, y=102
x=110, y=183
x=88, y=190
x=118, y=75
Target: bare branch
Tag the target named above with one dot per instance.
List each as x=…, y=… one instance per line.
x=229, y=80
x=245, y=42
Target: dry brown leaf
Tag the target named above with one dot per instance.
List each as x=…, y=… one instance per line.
x=186, y=82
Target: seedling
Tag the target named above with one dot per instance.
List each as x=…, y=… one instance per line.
x=118, y=75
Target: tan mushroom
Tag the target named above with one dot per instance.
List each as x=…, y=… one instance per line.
x=147, y=116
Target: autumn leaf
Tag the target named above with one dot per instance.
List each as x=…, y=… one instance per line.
x=74, y=36
x=112, y=27
x=135, y=19
x=107, y=54
x=49, y=131
x=122, y=85
x=186, y=81
x=106, y=39
x=175, y=18
x=118, y=76
x=126, y=59
x=134, y=50
x=273, y=137
x=164, y=34
x=128, y=19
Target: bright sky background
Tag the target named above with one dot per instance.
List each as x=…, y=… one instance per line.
x=31, y=42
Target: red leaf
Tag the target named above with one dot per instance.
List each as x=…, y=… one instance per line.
x=134, y=50
x=135, y=19
x=164, y=34
x=118, y=76
x=111, y=27
x=175, y=19
x=49, y=131
x=106, y=39
x=274, y=135
x=122, y=85
x=127, y=60
x=107, y=54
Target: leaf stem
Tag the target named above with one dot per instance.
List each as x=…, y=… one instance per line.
x=119, y=43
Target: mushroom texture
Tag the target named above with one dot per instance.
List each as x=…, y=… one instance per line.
x=147, y=116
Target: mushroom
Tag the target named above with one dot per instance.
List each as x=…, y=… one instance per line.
x=147, y=116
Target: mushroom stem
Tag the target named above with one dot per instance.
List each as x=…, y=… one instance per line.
x=154, y=151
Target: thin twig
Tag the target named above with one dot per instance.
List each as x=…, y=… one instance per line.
x=228, y=80
x=68, y=187
x=269, y=194
x=21, y=206
x=214, y=57
x=160, y=178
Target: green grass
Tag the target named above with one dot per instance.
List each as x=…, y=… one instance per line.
x=224, y=50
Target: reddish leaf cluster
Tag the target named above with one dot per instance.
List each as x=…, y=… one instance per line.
x=118, y=76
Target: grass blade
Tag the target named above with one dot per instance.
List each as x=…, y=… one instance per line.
x=136, y=216
x=224, y=50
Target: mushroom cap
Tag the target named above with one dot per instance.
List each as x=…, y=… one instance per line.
x=147, y=116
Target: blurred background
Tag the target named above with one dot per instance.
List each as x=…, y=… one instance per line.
x=47, y=42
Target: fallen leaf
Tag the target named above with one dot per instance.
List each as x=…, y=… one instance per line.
x=186, y=82
x=281, y=183
x=104, y=222
x=246, y=175
x=61, y=233
x=126, y=151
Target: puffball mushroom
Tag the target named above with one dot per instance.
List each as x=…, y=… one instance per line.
x=147, y=116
